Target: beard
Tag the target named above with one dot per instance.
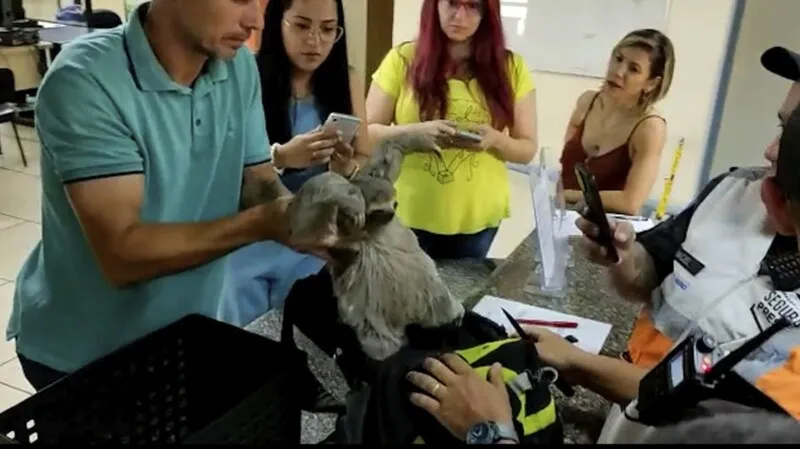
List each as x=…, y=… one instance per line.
x=779, y=216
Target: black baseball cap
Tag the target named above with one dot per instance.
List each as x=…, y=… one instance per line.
x=787, y=170
x=786, y=64
x=782, y=62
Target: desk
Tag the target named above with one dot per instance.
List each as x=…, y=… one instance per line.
x=24, y=60
x=589, y=296
x=61, y=33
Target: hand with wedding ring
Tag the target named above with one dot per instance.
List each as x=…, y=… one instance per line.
x=457, y=397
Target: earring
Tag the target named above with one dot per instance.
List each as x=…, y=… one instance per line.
x=643, y=97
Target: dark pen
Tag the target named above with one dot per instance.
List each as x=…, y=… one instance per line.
x=561, y=383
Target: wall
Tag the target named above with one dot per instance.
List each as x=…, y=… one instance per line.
x=46, y=9
x=749, y=119
x=254, y=43
x=355, y=17
x=699, y=30
x=118, y=6
x=41, y=9
x=368, y=41
x=380, y=19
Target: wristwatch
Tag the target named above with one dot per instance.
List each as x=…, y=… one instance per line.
x=490, y=432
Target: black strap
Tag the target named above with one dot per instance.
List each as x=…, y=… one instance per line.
x=640, y=122
x=287, y=327
x=589, y=109
x=310, y=306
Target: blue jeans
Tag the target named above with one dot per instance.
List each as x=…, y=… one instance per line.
x=294, y=178
x=260, y=277
x=457, y=246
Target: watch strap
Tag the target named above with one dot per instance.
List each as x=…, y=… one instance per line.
x=505, y=432
x=490, y=432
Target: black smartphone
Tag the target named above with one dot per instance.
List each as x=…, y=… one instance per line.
x=596, y=213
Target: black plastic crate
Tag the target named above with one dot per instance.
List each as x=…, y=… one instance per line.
x=195, y=381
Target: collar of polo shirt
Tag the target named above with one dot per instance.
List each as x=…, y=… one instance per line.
x=145, y=67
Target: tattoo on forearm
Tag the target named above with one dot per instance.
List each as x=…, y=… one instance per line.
x=257, y=191
x=637, y=281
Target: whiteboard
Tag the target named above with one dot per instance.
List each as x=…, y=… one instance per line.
x=575, y=36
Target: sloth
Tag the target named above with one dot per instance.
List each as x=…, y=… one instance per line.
x=383, y=281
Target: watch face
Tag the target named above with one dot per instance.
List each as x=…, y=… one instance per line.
x=481, y=433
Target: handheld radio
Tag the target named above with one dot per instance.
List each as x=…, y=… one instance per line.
x=697, y=370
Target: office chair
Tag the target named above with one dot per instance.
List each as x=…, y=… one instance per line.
x=97, y=19
x=103, y=19
x=9, y=111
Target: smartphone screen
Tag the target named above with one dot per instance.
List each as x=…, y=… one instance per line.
x=596, y=213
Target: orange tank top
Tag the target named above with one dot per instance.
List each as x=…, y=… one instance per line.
x=609, y=169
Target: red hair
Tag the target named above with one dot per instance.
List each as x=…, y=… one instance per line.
x=428, y=71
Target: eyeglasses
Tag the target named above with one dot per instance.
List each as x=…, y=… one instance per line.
x=327, y=34
x=471, y=6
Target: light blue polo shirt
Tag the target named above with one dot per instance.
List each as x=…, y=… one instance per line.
x=107, y=107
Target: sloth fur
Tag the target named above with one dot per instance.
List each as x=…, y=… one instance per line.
x=382, y=279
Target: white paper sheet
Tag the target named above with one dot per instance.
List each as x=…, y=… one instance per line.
x=591, y=334
x=569, y=228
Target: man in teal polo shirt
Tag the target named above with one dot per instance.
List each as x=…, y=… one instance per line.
x=147, y=133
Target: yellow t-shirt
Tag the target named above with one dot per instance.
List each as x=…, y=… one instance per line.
x=469, y=192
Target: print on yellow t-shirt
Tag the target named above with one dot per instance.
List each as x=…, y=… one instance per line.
x=462, y=110
x=466, y=191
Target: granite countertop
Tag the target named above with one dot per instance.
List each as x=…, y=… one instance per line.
x=588, y=295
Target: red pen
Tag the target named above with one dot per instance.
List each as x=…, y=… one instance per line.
x=559, y=324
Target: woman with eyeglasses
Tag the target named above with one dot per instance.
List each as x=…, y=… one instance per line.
x=458, y=75
x=305, y=76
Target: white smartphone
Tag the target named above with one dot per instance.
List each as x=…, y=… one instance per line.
x=346, y=124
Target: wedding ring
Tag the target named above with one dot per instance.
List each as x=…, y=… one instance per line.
x=435, y=388
x=547, y=375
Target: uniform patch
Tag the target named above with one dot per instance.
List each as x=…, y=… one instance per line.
x=774, y=305
x=688, y=262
